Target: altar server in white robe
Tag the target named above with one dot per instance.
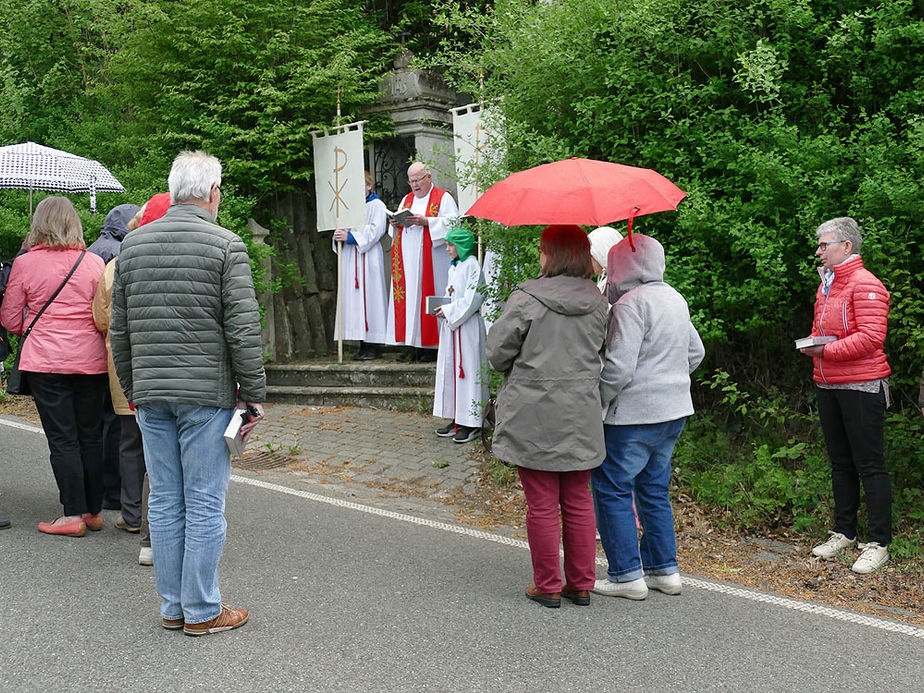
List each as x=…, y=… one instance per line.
x=362, y=279
x=461, y=364
x=419, y=265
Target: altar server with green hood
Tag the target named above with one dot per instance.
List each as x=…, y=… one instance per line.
x=461, y=364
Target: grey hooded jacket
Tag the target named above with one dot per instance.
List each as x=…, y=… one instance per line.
x=185, y=324
x=651, y=345
x=547, y=344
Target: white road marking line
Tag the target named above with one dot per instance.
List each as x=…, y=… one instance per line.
x=752, y=595
x=25, y=427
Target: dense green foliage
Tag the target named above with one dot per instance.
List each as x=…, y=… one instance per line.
x=774, y=116
x=132, y=83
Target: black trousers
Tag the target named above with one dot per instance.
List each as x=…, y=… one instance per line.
x=131, y=469
x=112, y=434
x=852, y=423
x=71, y=408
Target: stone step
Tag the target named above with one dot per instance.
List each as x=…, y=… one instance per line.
x=417, y=399
x=366, y=375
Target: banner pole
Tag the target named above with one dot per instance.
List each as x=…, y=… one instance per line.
x=339, y=302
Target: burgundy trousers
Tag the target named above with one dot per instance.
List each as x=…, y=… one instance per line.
x=546, y=493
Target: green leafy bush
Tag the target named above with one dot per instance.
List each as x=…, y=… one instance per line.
x=773, y=117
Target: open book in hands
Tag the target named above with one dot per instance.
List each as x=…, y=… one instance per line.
x=806, y=342
x=402, y=217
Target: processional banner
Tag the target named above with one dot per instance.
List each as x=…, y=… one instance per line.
x=474, y=142
x=339, y=177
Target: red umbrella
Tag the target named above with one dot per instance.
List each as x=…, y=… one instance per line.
x=577, y=191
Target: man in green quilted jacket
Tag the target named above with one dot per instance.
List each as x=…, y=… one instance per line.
x=185, y=334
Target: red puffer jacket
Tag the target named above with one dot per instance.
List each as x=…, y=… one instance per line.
x=856, y=311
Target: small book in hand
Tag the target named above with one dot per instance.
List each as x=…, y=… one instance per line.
x=233, y=437
x=814, y=341
x=434, y=302
x=402, y=217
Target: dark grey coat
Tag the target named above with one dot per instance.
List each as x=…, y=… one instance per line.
x=185, y=324
x=547, y=344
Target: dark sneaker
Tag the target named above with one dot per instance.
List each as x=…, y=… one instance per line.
x=466, y=434
x=173, y=623
x=228, y=619
x=447, y=431
x=5, y=523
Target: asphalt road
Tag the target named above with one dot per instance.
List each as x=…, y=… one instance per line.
x=344, y=599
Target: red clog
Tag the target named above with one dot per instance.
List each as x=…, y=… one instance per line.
x=74, y=528
x=94, y=522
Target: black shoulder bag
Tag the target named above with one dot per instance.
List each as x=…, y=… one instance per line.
x=16, y=383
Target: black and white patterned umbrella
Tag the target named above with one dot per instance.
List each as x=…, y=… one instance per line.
x=30, y=166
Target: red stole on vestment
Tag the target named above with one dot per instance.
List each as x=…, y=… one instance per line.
x=429, y=330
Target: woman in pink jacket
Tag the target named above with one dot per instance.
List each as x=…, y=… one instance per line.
x=851, y=373
x=64, y=357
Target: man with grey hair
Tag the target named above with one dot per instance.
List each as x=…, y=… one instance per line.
x=419, y=265
x=185, y=335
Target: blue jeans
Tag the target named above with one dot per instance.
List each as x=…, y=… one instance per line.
x=638, y=463
x=188, y=467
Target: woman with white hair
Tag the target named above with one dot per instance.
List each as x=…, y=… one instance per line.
x=852, y=306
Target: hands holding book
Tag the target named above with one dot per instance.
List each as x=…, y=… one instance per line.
x=404, y=217
x=814, y=346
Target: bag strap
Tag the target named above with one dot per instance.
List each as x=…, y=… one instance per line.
x=53, y=297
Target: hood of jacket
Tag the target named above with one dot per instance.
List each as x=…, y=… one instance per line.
x=627, y=269
x=116, y=223
x=563, y=294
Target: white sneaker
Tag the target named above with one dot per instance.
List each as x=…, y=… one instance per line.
x=669, y=584
x=873, y=556
x=836, y=543
x=146, y=556
x=633, y=589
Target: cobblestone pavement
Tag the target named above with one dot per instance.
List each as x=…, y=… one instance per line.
x=369, y=446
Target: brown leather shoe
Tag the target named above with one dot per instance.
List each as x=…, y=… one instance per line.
x=173, y=623
x=228, y=619
x=549, y=599
x=579, y=597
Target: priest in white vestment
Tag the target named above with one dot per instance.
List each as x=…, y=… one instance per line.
x=419, y=265
x=362, y=279
x=461, y=366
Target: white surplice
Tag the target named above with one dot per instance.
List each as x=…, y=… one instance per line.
x=411, y=253
x=362, y=280
x=461, y=365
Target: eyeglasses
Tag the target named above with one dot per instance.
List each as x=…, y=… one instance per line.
x=418, y=180
x=823, y=246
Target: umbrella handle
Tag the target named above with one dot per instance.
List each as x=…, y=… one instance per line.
x=631, y=218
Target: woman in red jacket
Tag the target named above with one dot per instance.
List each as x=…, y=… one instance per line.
x=64, y=356
x=851, y=373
